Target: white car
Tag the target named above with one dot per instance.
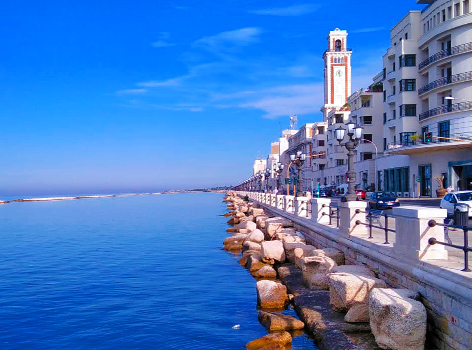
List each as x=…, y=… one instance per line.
x=450, y=200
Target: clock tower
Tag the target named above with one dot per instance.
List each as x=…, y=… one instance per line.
x=337, y=72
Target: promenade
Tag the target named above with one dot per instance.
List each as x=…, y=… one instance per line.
x=406, y=261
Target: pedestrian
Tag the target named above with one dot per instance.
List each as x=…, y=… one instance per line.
x=449, y=189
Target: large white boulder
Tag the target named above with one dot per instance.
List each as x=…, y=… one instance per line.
x=301, y=252
x=271, y=294
x=275, y=225
x=246, y=225
x=261, y=221
x=255, y=236
x=348, y=290
x=332, y=253
x=397, y=320
x=315, y=270
x=273, y=251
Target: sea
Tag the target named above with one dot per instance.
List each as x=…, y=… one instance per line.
x=137, y=272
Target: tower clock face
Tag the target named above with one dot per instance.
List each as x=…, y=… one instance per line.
x=339, y=87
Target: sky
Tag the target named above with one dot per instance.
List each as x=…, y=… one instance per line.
x=144, y=96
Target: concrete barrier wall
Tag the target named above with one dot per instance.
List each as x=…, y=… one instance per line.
x=446, y=293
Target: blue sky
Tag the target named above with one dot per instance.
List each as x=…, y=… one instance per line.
x=137, y=96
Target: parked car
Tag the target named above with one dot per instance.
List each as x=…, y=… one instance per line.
x=383, y=200
x=360, y=194
x=450, y=200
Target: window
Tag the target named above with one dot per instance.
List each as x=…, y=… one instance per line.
x=384, y=73
x=367, y=137
x=321, y=143
x=406, y=36
x=394, y=114
x=393, y=66
x=322, y=166
x=366, y=103
x=385, y=117
x=367, y=120
x=339, y=162
x=444, y=130
x=408, y=85
x=339, y=119
x=408, y=111
x=320, y=131
x=367, y=156
x=337, y=45
x=407, y=60
x=405, y=138
x=444, y=15
x=385, y=95
x=385, y=144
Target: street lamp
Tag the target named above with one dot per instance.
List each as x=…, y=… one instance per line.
x=278, y=170
x=355, y=135
x=299, y=159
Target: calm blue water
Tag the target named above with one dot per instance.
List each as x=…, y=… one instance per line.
x=142, y=272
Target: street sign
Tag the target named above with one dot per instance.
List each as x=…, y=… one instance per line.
x=417, y=179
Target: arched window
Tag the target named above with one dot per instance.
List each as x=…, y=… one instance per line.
x=337, y=45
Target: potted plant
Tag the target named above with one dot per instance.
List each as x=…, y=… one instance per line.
x=414, y=138
x=441, y=191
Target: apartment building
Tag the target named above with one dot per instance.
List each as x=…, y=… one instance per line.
x=427, y=108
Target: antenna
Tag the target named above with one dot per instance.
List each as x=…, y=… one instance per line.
x=293, y=122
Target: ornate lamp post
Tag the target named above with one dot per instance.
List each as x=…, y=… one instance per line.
x=355, y=135
x=266, y=177
x=278, y=170
x=298, y=160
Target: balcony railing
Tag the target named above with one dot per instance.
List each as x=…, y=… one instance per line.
x=445, y=53
x=461, y=106
x=456, y=78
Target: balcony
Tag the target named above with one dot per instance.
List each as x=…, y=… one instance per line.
x=456, y=78
x=456, y=50
x=461, y=106
x=420, y=147
x=390, y=99
x=391, y=75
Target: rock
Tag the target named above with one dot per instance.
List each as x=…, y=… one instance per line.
x=293, y=238
x=280, y=338
x=277, y=322
x=246, y=254
x=347, y=290
x=244, y=230
x=358, y=313
x=396, y=319
x=333, y=253
x=275, y=225
x=235, y=239
x=271, y=294
x=354, y=270
x=230, y=221
x=285, y=232
x=290, y=247
x=233, y=247
x=272, y=251
x=301, y=252
x=254, y=264
x=315, y=270
x=273, y=346
x=248, y=245
x=260, y=221
x=255, y=236
x=257, y=212
x=266, y=271
x=246, y=225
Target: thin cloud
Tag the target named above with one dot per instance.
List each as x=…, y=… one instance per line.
x=161, y=43
x=295, y=10
x=278, y=101
x=131, y=92
x=367, y=30
x=164, y=83
x=162, y=40
x=239, y=37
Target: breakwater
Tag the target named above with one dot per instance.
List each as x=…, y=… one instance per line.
x=343, y=306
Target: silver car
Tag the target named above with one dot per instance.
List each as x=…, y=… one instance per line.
x=450, y=200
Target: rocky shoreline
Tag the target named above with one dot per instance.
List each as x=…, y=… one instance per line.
x=341, y=306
